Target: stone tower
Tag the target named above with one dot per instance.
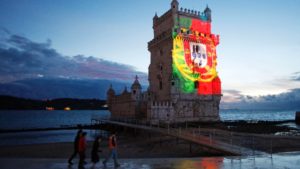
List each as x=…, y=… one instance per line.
x=184, y=84
x=183, y=61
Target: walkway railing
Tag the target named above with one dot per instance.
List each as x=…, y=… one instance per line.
x=220, y=140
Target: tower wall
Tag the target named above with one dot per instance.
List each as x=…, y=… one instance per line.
x=184, y=82
x=160, y=68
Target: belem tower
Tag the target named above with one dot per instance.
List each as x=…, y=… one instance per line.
x=184, y=85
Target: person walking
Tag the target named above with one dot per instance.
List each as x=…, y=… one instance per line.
x=75, y=151
x=95, y=156
x=112, y=145
x=81, y=149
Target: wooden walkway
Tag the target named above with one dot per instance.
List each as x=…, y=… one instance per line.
x=192, y=136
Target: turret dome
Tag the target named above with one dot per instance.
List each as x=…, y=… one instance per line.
x=136, y=84
x=111, y=91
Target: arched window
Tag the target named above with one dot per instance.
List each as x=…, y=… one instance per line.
x=160, y=84
x=161, y=52
x=173, y=83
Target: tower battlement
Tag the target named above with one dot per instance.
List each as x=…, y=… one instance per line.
x=193, y=13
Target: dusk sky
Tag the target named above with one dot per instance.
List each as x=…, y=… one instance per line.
x=258, y=52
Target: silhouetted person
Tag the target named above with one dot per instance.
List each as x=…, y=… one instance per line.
x=76, y=141
x=81, y=149
x=112, y=145
x=95, y=156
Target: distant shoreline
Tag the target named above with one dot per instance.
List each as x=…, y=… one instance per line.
x=16, y=103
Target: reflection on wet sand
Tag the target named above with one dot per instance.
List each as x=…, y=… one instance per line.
x=205, y=163
x=283, y=160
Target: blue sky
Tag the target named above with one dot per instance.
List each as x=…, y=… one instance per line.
x=258, y=53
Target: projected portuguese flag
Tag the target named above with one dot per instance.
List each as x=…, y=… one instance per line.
x=194, y=57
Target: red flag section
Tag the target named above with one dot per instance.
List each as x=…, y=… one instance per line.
x=199, y=46
x=201, y=26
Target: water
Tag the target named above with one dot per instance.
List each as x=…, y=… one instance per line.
x=46, y=119
x=255, y=115
x=49, y=119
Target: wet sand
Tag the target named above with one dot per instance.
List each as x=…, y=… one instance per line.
x=277, y=161
x=146, y=146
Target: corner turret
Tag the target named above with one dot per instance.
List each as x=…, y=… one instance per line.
x=207, y=13
x=155, y=19
x=155, y=16
x=110, y=91
x=110, y=94
x=136, y=89
x=174, y=5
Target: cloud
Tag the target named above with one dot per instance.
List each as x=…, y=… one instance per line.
x=232, y=96
x=290, y=96
x=4, y=33
x=295, y=76
x=22, y=58
x=286, y=100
